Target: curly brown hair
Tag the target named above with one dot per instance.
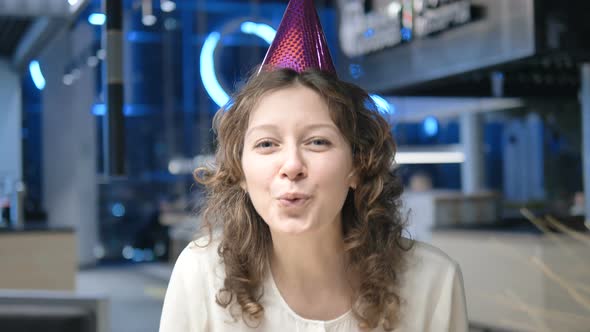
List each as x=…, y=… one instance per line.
x=372, y=223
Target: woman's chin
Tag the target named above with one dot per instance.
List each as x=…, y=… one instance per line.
x=291, y=227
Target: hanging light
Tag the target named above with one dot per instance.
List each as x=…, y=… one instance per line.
x=101, y=54
x=167, y=5
x=147, y=14
x=97, y=18
x=68, y=79
x=92, y=61
x=74, y=5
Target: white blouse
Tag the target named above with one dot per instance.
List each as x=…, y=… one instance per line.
x=432, y=292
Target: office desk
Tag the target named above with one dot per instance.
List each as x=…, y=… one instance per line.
x=38, y=258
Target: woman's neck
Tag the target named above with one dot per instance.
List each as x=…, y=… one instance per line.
x=311, y=271
x=308, y=258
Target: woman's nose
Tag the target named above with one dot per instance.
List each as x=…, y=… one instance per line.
x=294, y=167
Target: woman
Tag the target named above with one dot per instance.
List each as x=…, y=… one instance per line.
x=312, y=235
x=308, y=210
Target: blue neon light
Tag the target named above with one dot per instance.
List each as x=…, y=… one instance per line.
x=430, y=126
x=128, y=110
x=264, y=31
x=383, y=105
x=207, y=69
x=35, y=70
x=207, y=62
x=97, y=18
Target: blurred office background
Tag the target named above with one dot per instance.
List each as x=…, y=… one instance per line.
x=107, y=108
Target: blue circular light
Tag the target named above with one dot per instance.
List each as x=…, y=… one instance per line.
x=118, y=210
x=430, y=126
x=207, y=62
x=207, y=69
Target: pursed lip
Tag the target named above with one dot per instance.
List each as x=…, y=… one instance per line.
x=293, y=196
x=293, y=200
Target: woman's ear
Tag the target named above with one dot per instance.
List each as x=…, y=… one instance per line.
x=243, y=185
x=353, y=180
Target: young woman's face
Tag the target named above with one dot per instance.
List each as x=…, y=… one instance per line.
x=296, y=163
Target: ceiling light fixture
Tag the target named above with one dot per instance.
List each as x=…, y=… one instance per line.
x=167, y=5
x=147, y=13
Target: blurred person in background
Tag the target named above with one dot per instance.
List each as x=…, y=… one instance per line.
x=577, y=208
x=420, y=182
x=303, y=212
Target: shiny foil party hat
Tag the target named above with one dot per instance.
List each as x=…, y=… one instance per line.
x=300, y=42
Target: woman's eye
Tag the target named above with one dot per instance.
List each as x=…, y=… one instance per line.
x=264, y=145
x=320, y=142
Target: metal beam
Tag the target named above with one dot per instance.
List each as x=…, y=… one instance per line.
x=33, y=8
x=35, y=39
x=113, y=86
x=41, y=33
x=472, y=170
x=416, y=109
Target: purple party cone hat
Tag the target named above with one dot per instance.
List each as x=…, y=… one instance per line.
x=300, y=42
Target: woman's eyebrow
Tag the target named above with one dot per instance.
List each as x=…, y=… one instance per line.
x=272, y=127
x=321, y=125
